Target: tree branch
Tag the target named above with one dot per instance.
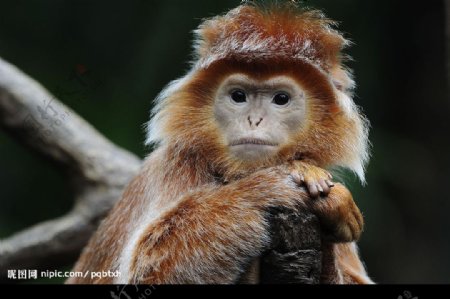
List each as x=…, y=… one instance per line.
x=98, y=170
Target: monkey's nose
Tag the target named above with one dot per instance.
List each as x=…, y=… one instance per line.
x=252, y=121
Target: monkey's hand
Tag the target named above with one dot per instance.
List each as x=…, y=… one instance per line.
x=316, y=180
x=340, y=218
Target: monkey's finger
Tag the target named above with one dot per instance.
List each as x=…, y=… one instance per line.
x=298, y=175
x=319, y=187
x=330, y=176
x=312, y=188
x=297, y=178
x=329, y=183
x=325, y=187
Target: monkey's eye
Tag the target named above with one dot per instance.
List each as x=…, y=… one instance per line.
x=281, y=99
x=238, y=96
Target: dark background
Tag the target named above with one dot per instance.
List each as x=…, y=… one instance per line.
x=128, y=50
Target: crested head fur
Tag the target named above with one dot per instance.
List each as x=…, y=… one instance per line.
x=252, y=32
x=262, y=41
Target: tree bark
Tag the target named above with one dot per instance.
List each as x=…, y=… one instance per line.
x=295, y=255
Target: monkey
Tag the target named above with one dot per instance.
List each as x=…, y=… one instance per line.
x=258, y=121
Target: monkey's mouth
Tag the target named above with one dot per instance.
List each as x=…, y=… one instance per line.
x=253, y=141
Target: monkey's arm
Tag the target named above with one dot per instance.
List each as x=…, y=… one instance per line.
x=210, y=234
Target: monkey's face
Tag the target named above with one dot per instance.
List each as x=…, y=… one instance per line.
x=258, y=117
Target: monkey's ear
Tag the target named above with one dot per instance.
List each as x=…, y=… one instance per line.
x=342, y=79
x=357, y=145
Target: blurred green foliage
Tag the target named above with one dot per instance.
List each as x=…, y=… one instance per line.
x=128, y=50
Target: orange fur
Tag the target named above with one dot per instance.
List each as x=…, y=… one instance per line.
x=194, y=214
